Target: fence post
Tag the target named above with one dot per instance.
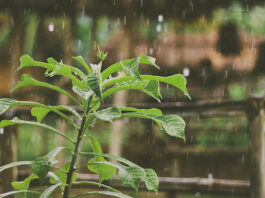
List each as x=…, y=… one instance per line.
x=255, y=113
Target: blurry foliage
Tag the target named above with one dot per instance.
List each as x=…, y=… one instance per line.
x=249, y=20
x=237, y=91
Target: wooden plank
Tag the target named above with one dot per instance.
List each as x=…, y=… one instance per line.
x=256, y=146
x=171, y=184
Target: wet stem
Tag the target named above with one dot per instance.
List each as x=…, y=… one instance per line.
x=68, y=185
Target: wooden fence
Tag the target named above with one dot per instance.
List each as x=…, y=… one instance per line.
x=253, y=108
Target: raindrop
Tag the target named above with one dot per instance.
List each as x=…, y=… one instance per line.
x=51, y=27
x=243, y=159
x=1, y=131
x=142, y=3
x=114, y=2
x=210, y=176
x=197, y=194
x=186, y=72
x=63, y=25
x=191, y=5
x=160, y=18
x=158, y=28
x=226, y=74
x=124, y=20
x=151, y=51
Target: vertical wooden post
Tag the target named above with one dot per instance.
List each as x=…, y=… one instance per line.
x=255, y=114
x=9, y=138
x=120, y=98
x=62, y=125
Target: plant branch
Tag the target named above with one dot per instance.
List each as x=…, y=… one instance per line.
x=75, y=155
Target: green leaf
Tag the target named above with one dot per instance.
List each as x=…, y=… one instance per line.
x=81, y=60
x=153, y=111
x=24, y=185
x=83, y=94
x=151, y=180
x=113, y=194
x=101, y=55
x=48, y=191
x=25, y=61
x=151, y=88
x=108, y=114
x=39, y=113
x=5, y=103
x=132, y=68
x=13, y=164
x=148, y=60
x=51, y=155
x=117, y=158
x=131, y=176
x=177, y=80
x=52, y=61
x=41, y=167
x=55, y=109
x=18, y=192
x=97, y=184
x=16, y=120
x=104, y=171
x=93, y=82
x=27, y=80
x=62, y=176
x=118, y=66
x=67, y=108
x=51, y=66
x=173, y=125
x=65, y=70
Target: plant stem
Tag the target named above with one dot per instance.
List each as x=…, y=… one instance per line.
x=68, y=185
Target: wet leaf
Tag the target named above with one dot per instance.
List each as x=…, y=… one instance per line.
x=51, y=66
x=142, y=59
x=153, y=111
x=132, y=68
x=24, y=185
x=105, y=171
x=49, y=191
x=62, y=176
x=173, y=125
x=81, y=60
x=151, y=180
x=52, y=154
x=131, y=176
x=93, y=82
x=148, y=60
x=5, y=104
x=16, y=120
x=18, y=192
x=13, y=164
x=27, y=80
x=39, y=113
x=108, y=114
x=41, y=167
x=151, y=88
x=177, y=80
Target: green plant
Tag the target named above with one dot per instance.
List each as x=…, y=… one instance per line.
x=90, y=90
